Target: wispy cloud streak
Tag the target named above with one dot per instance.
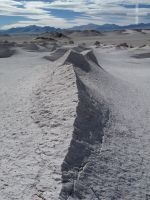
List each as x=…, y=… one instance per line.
x=93, y=11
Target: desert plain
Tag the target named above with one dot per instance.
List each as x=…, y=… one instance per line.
x=75, y=116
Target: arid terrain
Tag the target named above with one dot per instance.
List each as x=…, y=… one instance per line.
x=75, y=116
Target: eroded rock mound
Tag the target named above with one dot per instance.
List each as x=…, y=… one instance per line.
x=91, y=57
x=6, y=52
x=88, y=132
x=78, y=60
x=80, y=48
x=124, y=45
x=56, y=54
x=31, y=46
x=141, y=56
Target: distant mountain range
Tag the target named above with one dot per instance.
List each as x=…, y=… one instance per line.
x=29, y=30
x=110, y=27
x=38, y=29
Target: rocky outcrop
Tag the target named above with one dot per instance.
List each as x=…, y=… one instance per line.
x=91, y=119
x=56, y=54
x=6, y=52
x=78, y=60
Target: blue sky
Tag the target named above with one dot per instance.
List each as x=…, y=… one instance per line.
x=68, y=13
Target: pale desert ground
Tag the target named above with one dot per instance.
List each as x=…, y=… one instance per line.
x=75, y=116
